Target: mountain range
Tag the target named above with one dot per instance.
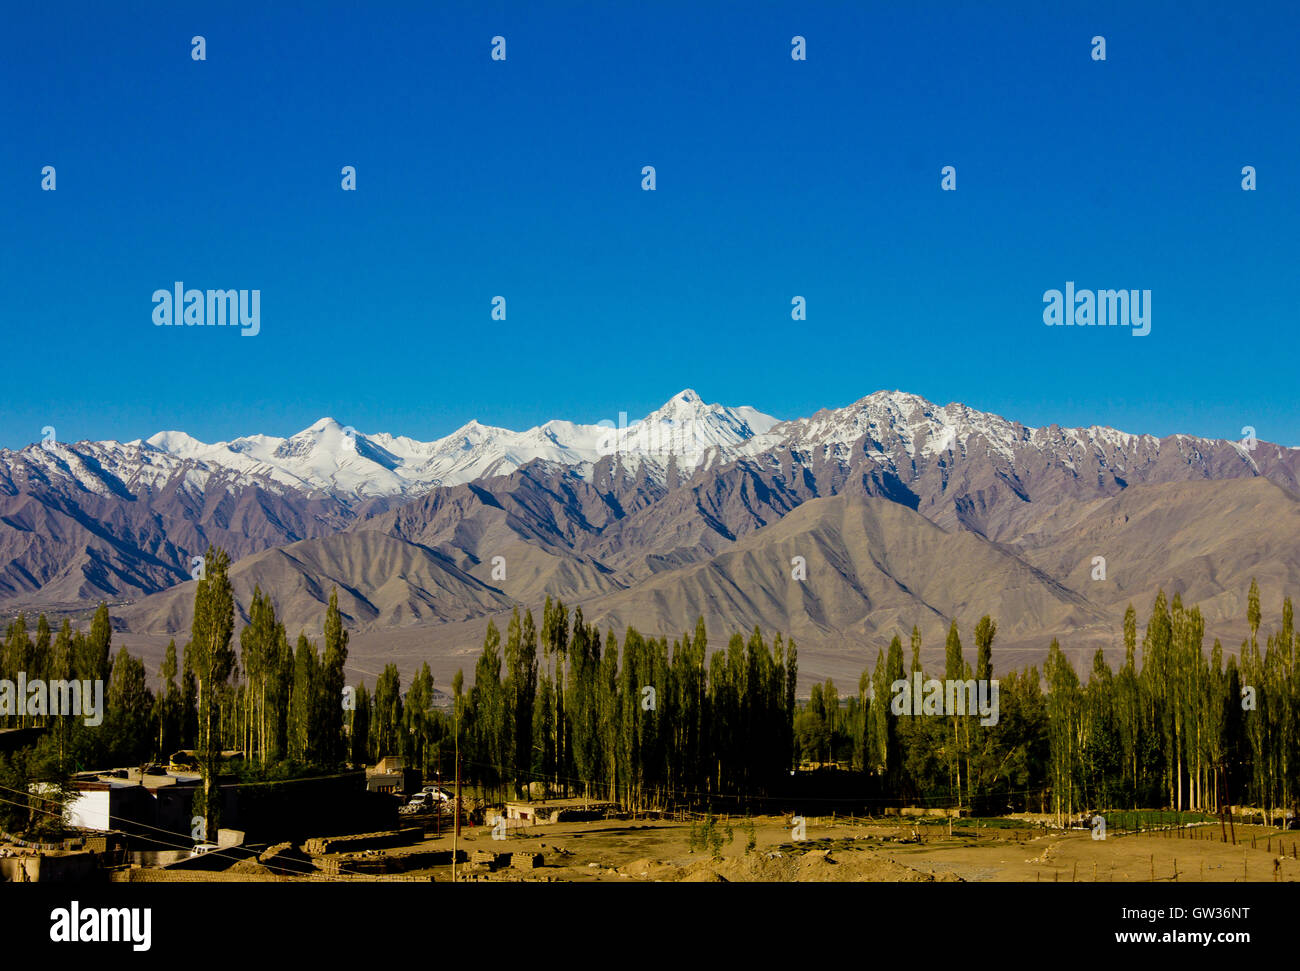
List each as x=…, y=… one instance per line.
x=900, y=511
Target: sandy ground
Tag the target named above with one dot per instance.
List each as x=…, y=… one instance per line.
x=636, y=851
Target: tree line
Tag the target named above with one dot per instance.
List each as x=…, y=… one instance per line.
x=648, y=722
x=1173, y=726
x=642, y=723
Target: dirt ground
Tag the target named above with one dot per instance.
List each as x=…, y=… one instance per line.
x=659, y=851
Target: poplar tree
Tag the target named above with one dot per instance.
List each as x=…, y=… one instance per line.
x=97, y=664
x=258, y=654
x=213, y=662
x=386, y=715
x=1063, y=713
x=128, y=709
x=167, y=704
x=953, y=670
x=304, y=703
x=979, y=763
x=487, y=715
x=332, y=682
x=359, y=728
x=416, y=718
x=520, y=694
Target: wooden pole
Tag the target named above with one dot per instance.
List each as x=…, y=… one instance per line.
x=1231, y=828
x=1223, y=828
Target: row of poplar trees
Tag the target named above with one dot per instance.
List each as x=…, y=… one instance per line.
x=1173, y=727
x=1179, y=729
x=645, y=722
x=642, y=723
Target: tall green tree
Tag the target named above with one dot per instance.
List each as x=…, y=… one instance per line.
x=213, y=663
x=332, y=682
x=128, y=718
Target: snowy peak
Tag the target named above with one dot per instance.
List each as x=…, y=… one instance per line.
x=688, y=432
x=904, y=433
x=332, y=457
x=175, y=443
x=683, y=405
x=469, y=436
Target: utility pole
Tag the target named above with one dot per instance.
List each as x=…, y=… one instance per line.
x=1228, y=797
x=1223, y=826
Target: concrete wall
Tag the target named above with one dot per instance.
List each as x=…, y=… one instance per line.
x=90, y=810
x=110, y=807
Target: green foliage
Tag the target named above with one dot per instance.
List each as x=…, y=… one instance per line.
x=386, y=716
x=1167, y=728
x=650, y=722
x=213, y=662
x=644, y=725
x=712, y=837
x=129, y=719
x=34, y=788
x=332, y=748
x=715, y=843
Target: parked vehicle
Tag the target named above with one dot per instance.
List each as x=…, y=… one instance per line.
x=421, y=802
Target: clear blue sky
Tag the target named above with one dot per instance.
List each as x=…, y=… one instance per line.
x=522, y=178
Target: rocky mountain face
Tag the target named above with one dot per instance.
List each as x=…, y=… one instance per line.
x=901, y=512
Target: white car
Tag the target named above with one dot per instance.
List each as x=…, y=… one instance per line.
x=438, y=793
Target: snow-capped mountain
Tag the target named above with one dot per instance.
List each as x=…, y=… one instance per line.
x=332, y=458
x=90, y=519
x=901, y=432
x=905, y=435
x=898, y=428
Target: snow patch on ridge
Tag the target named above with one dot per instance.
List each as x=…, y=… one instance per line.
x=902, y=432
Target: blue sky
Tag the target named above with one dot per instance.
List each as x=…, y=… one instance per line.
x=522, y=178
